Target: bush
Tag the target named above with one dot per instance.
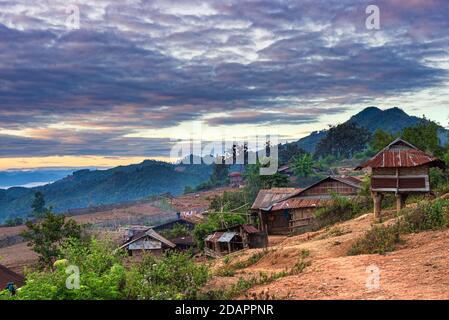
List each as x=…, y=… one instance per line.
x=178, y=230
x=176, y=276
x=379, y=239
x=103, y=276
x=341, y=209
x=428, y=215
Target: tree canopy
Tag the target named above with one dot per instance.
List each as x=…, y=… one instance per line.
x=343, y=141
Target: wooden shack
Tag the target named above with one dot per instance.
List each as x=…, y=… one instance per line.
x=243, y=236
x=148, y=241
x=236, y=179
x=399, y=168
x=294, y=212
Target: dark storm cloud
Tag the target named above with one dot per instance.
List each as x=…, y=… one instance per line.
x=153, y=64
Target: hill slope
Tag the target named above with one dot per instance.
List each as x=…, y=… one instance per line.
x=86, y=188
x=392, y=120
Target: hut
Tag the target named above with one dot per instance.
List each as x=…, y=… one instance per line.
x=236, y=179
x=221, y=243
x=235, y=238
x=399, y=168
x=146, y=240
x=293, y=211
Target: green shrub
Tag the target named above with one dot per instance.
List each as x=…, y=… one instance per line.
x=341, y=209
x=428, y=215
x=178, y=230
x=379, y=239
x=175, y=276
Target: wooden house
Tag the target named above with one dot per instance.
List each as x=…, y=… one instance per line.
x=148, y=241
x=399, y=168
x=293, y=211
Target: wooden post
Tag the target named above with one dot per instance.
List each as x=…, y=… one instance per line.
x=400, y=200
x=377, y=198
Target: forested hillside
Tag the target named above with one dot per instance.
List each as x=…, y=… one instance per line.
x=86, y=188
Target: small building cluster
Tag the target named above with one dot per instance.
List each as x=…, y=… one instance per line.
x=400, y=168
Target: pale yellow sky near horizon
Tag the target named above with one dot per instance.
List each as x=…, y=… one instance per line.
x=289, y=132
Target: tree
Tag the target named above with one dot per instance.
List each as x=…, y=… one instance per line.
x=46, y=237
x=302, y=165
x=255, y=181
x=343, y=141
x=38, y=205
x=380, y=140
x=424, y=136
x=219, y=174
x=287, y=152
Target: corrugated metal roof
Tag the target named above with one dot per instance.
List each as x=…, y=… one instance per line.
x=297, y=203
x=266, y=197
x=150, y=233
x=214, y=237
x=227, y=236
x=235, y=174
x=250, y=228
x=405, y=157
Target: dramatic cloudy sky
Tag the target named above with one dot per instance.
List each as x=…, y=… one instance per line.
x=138, y=74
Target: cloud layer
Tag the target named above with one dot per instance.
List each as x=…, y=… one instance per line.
x=137, y=65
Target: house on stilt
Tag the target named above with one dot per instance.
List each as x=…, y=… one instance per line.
x=399, y=168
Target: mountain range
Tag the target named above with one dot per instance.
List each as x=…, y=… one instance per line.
x=85, y=188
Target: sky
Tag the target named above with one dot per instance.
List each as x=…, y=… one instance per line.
x=134, y=77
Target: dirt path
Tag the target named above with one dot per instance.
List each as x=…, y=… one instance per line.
x=417, y=270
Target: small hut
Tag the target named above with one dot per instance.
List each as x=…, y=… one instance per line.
x=222, y=243
x=399, y=168
x=147, y=241
x=236, y=179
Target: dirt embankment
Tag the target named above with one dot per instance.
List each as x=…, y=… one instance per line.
x=416, y=270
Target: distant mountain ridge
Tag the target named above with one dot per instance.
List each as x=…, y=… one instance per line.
x=85, y=188
x=392, y=120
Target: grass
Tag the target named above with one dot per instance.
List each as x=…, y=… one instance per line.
x=379, y=239
x=244, y=285
x=230, y=269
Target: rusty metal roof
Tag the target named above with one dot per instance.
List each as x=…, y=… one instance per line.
x=405, y=157
x=297, y=203
x=266, y=197
x=214, y=236
x=7, y=276
x=235, y=174
x=250, y=228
